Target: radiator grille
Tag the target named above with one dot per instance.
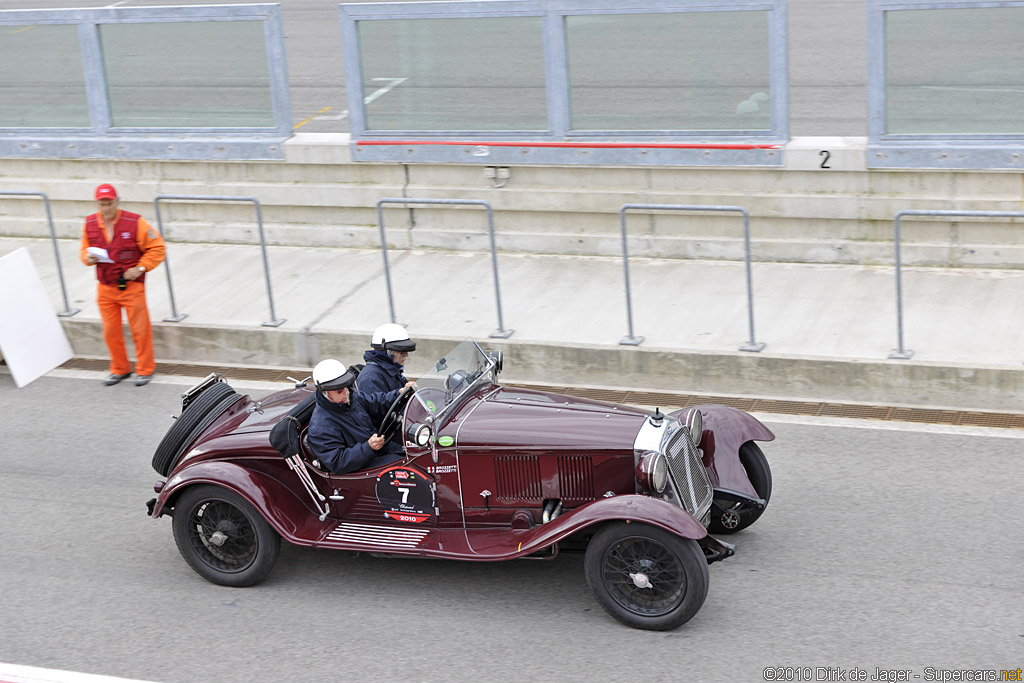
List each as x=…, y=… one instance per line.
x=688, y=473
x=517, y=477
x=575, y=478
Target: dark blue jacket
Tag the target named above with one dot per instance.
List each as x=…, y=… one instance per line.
x=338, y=432
x=380, y=374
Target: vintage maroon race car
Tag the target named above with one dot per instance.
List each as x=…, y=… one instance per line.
x=490, y=473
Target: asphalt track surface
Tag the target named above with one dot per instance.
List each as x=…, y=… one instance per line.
x=827, y=43
x=885, y=545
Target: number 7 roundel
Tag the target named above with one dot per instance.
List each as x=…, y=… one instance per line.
x=405, y=494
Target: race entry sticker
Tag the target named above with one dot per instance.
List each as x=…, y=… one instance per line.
x=405, y=494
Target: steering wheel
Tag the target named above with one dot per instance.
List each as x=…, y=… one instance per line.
x=393, y=417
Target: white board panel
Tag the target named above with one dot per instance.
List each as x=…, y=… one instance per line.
x=32, y=340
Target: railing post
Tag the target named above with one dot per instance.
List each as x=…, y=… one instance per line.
x=752, y=344
x=274, y=320
x=630, y=339
x=900, y=352
x=175, y=317
x=501, y=332
x=68, y=311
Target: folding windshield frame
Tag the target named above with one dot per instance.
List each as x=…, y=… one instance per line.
x=559, y=142
x=927, y=150
x=102, y=139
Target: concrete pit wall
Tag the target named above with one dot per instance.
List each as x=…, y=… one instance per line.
x=799, y=213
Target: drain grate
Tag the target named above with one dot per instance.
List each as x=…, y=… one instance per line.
x=662, y=399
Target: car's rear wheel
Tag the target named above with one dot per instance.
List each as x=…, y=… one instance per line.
x=223, y=537
x=735, y=517
x=192, y=421
x=646, y=577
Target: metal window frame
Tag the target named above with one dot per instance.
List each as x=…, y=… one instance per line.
x=559, y=143
x=103, y=140
x=927, y=150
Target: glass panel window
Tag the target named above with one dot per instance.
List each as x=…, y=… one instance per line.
x=42, y=82
x=474, y=74
x=954, y=71
x=703, y=71
x=209, y=74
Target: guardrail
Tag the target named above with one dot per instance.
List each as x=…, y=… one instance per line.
x=900, y=352
x=274, y=320
x=68, y=311
x=630, y=339
x=501, y=332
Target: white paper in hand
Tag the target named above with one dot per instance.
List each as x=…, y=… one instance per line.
x=100, y=254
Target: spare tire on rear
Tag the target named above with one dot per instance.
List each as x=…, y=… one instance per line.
x=199, y=414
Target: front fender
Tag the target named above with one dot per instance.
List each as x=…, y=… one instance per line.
x=631, y=508
x=725, y=430
x=286, y=513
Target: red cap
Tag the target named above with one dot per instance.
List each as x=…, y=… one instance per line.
x=106, y=191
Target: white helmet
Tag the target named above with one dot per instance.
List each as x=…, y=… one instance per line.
x=392, y=337
x=330, y=374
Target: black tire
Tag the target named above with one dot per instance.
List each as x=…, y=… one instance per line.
x=246, y=548
x=184, y=430
x=760, y=475
x=674, y=567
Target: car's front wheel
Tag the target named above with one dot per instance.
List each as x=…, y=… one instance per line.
x=734, y=517
x=223, y=537
x=646, y=577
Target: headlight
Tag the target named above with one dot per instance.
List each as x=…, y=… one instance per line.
x=652, y=472
x=419, y=434
x=695, y=425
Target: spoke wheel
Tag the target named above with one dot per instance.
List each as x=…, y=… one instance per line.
x=643, y=576
x=646, y=577
x=223, y=538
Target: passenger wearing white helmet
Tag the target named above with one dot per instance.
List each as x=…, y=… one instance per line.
x=342, y=430
x=385, y=361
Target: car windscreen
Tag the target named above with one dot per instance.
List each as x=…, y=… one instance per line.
x=454, y=375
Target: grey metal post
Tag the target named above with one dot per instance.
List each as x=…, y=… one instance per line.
x=274, y=320
x=68, y=311
x=630, y=339
x=501, y=332
x=174, y=317
x=900, y=352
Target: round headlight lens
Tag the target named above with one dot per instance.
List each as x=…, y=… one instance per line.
x=652, y=472
x=695, y=425
x=659, y=478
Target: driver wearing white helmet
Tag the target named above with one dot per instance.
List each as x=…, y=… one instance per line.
x=385, y=361
x=342, y=432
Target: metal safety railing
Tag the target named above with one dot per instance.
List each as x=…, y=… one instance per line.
x=900, y=352
x=632, y=340
x=274, y=320
x=68, y=311
x=501, y=332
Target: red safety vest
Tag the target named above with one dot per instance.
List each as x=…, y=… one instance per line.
x=124, y=249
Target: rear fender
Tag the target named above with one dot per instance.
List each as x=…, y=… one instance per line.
x=725, y=430
x=630, y=508
x=287, y=514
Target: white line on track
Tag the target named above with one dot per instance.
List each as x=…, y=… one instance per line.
x=247, y=385
x=991, y=432
x=767, y=418
x=15, y=673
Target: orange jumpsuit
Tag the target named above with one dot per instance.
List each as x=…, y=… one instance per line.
x=132, y=299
